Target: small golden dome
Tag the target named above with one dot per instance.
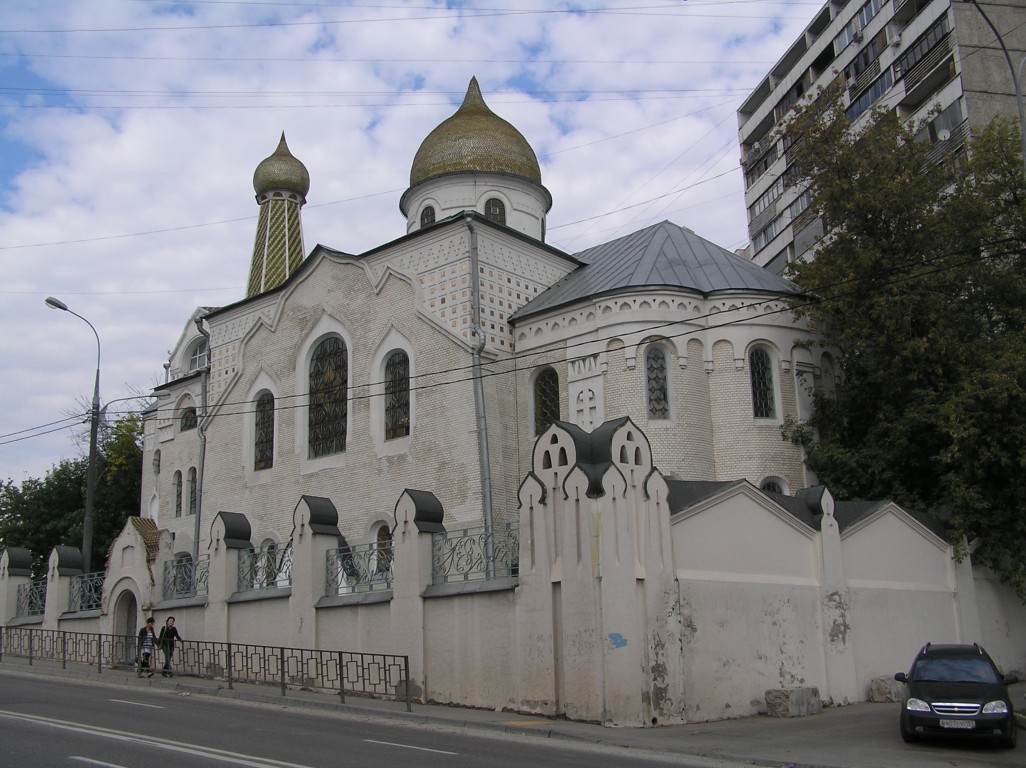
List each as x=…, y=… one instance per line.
x=281, y=171
x=474, y=139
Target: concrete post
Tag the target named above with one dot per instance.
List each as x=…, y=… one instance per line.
x=15, y=571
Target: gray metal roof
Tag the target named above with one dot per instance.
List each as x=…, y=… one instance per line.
x=661, y=256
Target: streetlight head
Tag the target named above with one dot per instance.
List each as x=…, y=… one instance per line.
x=53, y=303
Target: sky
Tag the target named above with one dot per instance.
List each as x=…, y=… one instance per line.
x=130, y=130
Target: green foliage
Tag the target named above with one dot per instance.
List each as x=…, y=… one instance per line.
x=43, y=514
x=920, y=288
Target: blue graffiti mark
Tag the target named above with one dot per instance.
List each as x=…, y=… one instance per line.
x=618, y=640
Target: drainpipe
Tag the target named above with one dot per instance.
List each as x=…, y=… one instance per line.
x=479, y=403
x=201, y=430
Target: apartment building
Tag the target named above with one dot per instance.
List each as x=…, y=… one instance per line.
x=935, y=62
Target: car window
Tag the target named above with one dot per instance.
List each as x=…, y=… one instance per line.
x=955, y=670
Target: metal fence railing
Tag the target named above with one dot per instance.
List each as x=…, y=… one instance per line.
x=359, y=568
x=471, y=554
x=185, y=578
x=265, y=568
x=86, y=593
x=31, y=599
x=378, y=675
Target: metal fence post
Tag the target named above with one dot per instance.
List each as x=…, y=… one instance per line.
x=31, y=645
x=406, y=674
x=64, y=650
x=281, y=668
x=341, y=679
x=228, y=666
x=1, y=643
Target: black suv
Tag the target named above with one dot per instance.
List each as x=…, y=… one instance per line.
x=956, y=690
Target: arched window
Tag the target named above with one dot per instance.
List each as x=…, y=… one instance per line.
x=427, y=216
x=495, y=210
x=188, y=420
x=328, y=410
x=156, y=462
x=771, y=485
x=263, y=435
x=198, y=356
x=397, y=395
x=655, y=380
x=763, y=401
x=383, y=550
x=178, y=494
x=546, y=400
x=192, y=490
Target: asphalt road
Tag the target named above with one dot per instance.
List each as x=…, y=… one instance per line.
x=78, y=718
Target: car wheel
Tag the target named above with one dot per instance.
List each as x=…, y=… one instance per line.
x=1008, y=742
x=906, y=735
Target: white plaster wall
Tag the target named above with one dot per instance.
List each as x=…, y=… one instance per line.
x=1003, y=623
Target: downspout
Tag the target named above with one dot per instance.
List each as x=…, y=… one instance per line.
x=479, y=403
x=201, y=430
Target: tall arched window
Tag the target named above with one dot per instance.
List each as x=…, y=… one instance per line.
x=495, y=210
x=328, y=410
x=427, y=216
x=156, y=462
x=263, y=434
x=198, y=356
x=761, y=366
x=546, y=400
x=178, y=494
x=383, y=550
x=397, y=395
x=192, y=490
x=188, y=420
x=655, y=380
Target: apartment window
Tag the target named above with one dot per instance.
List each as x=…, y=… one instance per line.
x=495, y=210
x=870, y=96
x=546, y=400
x=766, y=234
x=922, y=46
x=328, y=409
x=767, y=198
x=655, y=375
x=397, y=395
x=761, y=369
x=263, y=432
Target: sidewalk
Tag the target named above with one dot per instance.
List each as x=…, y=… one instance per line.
x=838, y=737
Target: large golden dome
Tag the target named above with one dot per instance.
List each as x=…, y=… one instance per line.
x=281, y=171
x=474, y=139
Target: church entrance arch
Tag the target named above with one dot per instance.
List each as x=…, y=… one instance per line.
x=126, y=621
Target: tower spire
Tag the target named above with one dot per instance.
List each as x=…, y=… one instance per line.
x=281, y=183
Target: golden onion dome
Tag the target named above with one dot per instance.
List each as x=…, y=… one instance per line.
x=474, y=139
x=281, y=171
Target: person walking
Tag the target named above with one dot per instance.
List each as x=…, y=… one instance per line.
x=147, y=644
x=168, y=637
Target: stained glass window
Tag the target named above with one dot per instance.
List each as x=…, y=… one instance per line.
x=188, y=420
x=495, y=210
x=329, y=372
x=763, y=405
x=397, y=395
x=546, y=400
x=263, y=439
x=655, y=374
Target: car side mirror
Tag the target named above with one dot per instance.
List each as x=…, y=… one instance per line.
x=1010, y=679
x=901, y=677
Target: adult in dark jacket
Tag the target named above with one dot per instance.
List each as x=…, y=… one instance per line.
x=168, y=637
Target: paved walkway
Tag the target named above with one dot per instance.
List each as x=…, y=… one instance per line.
x=856, y=736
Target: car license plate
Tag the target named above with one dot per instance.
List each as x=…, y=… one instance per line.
x=964, y=725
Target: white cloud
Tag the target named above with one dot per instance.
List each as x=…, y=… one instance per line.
x=158, y=131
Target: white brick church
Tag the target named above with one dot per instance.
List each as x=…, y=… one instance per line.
x=556, y=481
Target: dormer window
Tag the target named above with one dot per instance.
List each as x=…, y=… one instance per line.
x=198, y=356
x=427, y=216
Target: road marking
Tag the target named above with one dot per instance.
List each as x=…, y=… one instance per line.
x=95, y=762
x=211, y=753
x=410, y=746
x=136, y=704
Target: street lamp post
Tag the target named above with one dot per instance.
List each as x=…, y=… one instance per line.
x=94, y=424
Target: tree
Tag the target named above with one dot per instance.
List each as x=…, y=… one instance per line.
x=42, y=514
x=920, y=287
